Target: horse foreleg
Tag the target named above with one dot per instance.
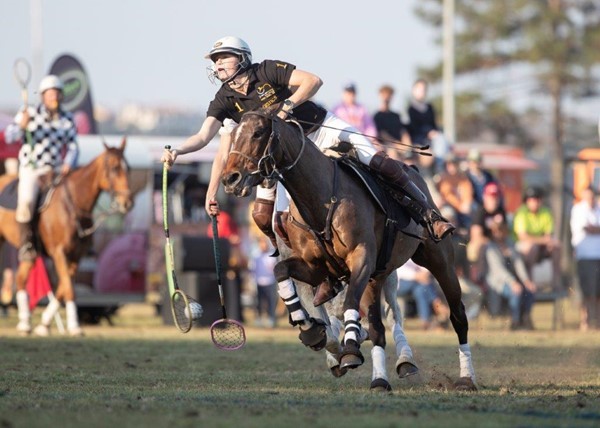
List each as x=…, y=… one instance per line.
x=66, y=293
x=312, y=331
x=24, y=313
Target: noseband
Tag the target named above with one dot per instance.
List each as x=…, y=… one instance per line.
x=267, y=165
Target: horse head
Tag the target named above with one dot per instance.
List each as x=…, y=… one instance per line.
x=114, y=178
x=256, y=153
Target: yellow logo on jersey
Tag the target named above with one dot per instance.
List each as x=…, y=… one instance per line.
x=280, y=65
x=239, y=107
x=265, y=91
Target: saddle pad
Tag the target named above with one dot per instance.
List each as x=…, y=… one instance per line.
x=380, y=193
x=8, y=196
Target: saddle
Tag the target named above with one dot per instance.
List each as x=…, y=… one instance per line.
x=8, y=195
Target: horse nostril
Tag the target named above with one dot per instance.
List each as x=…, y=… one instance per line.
x=232, y=178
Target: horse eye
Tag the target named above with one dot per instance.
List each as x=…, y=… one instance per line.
x=259, y=133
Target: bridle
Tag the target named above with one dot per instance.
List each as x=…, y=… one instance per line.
x=113, y=207
x=267, y=166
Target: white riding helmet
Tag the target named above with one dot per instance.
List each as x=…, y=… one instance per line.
x=50, y=82
x=233, y=45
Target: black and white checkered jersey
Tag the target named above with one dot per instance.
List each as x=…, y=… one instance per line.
x=49, y=138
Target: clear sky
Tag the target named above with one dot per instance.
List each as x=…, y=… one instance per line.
x=151, y=51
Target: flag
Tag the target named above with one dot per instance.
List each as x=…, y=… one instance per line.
x=38, y=284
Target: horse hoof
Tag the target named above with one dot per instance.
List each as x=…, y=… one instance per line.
x=41, y=330
x=338, y=371
x=76, y=332
x=380, y=385
x=24, y=329
x=465, y=384
x=406, y=369
x=351, y=361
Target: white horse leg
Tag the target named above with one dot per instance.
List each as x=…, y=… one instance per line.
x=24, y=314
x=72, y=320
x=466, y=363
x=405, y=363
x=43, y=329
x=379, y=380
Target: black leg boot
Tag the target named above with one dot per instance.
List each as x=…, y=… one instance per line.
x=421, y=209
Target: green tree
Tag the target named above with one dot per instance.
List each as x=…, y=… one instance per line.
x=558, y=39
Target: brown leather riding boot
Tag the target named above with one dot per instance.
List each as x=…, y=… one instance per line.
x=262, y=213
x=27, y=250
x=419, y=205
x=281, y=219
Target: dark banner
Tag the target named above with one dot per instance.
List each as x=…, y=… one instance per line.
x=77, y=92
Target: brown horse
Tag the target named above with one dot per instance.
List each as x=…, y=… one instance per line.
x=64, y=226
x=334, y=221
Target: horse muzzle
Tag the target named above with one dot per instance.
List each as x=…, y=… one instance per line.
x=123, y=203
x=237, y=184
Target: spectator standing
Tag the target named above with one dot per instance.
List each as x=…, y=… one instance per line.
x=389, y=123
x=456, y=190
x=423, y=129
x=585, y=237
x=262, y=266
x=506, y=276
x=353, y=113
x=534, y=226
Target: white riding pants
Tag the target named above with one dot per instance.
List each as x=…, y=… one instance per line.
x=28, y=190
x=333, y=132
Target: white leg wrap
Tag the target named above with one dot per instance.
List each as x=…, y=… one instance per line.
x=351, y=325
x=23, y=306
x=50, y=311
x=72, y=320
x=287, y=291
x=466, y=364
x=378, y=357
x=402, y=347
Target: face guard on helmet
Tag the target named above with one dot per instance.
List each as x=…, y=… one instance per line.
x=235, y=46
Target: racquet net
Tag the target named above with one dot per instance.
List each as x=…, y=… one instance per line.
x=185, y=310
x=228, y=334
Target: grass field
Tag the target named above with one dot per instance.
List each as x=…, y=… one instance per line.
x=140, y=373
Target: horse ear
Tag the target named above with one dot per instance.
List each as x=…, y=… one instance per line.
x=123, y=142
x=104, y=143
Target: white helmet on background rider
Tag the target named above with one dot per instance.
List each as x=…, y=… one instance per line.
x=50, y=82
x=234, y=45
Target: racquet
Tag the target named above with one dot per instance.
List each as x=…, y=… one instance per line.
x=225, y=333
x=22, y=73
x=185, y=310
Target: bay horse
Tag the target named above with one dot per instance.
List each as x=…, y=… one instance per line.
x=63, y=228
x=334, y=224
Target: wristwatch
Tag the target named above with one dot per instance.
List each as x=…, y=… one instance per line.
x=289, y=104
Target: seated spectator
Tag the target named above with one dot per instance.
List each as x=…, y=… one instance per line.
x=418, y=282
x=478, y=176
x=533, y=226
x=585, y=232
x=456, y=190
x=506, y=276
x=490, y=213
x=389, y=124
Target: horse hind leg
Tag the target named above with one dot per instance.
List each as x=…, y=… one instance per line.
x=406, y=366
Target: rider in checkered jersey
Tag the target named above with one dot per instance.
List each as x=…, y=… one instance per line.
x=45, y=131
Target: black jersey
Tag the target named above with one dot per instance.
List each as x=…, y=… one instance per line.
x=267, y=85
